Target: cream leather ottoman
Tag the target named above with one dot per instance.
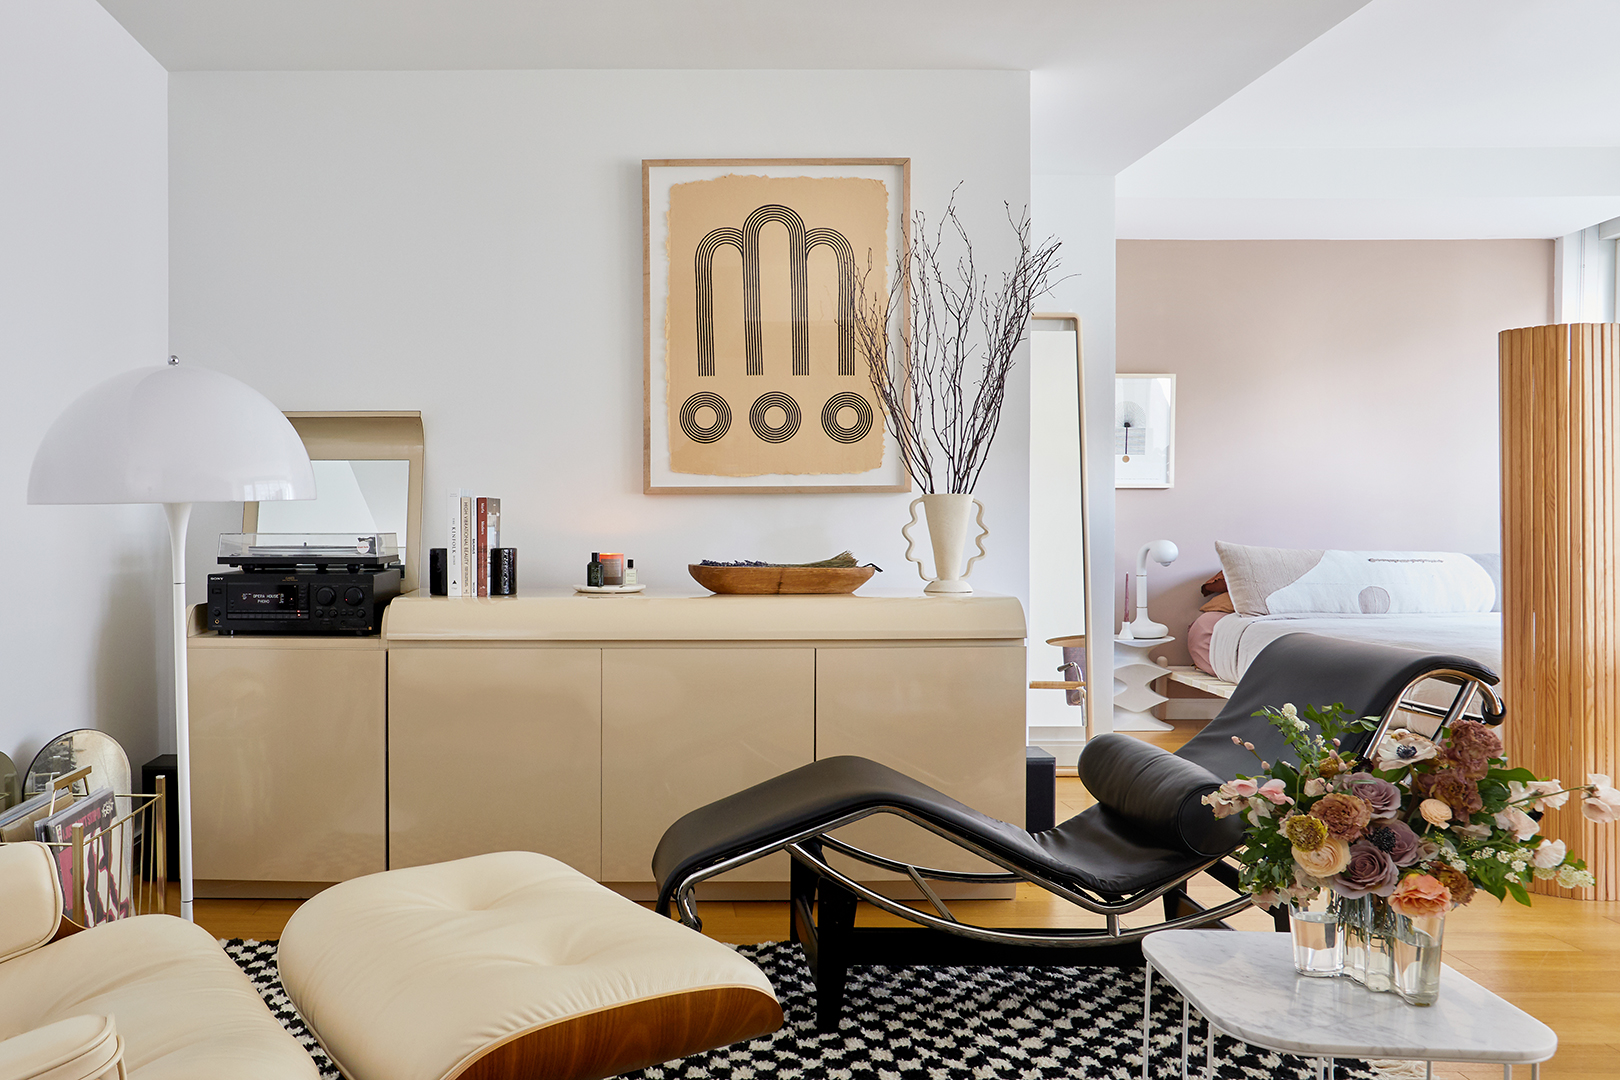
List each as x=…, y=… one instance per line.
x=509, y=965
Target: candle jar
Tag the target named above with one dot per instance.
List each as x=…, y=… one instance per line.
x=612, y=568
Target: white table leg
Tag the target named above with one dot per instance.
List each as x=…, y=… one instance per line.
x=1209, y=1049
x=1330, y=1069
x=1186, y=1036
x=1147, y=1013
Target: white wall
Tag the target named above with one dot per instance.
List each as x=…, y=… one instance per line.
x=470, y=244
x=83, y=295
x=1079, y=211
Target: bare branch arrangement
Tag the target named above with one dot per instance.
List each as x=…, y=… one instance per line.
x=930, y=399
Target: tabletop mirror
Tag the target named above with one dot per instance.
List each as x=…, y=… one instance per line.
x=8, y=783
x=109, y=765
x=368, y=478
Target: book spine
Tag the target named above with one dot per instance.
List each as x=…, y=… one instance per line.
x=493, y=537
x=469, y=544
x=454, y=553
x=481, y=531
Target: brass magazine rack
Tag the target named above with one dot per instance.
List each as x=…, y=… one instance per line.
x=117, y=870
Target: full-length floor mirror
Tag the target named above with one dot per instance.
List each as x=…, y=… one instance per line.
x=1059, y=552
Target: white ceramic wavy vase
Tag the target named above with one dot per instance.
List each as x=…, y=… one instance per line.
x=948, y=517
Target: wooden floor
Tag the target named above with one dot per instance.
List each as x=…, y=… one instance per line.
x=1558, y=960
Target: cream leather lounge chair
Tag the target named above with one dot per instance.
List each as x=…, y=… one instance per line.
x=498, y=967
x=182, y=1009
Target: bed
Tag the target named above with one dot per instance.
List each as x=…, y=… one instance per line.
x=1433, y=601
x=1238, y=639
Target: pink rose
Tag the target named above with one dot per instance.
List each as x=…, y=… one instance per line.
x=1325, y=861
x=1602, y=802
x=1419, y=895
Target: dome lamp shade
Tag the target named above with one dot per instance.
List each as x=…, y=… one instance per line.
x=171, y=434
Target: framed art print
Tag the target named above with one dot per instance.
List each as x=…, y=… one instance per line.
x=754, y=381
x=1144, y=431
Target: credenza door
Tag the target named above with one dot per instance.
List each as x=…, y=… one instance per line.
x=495, y=749
x=682, y=727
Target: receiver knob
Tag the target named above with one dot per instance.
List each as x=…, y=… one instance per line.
x=325, y=596
x=353, y=595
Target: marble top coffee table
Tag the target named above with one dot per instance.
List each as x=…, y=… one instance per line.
x=1245, y=986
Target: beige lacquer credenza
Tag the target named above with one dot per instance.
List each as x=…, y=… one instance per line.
x=583, y=726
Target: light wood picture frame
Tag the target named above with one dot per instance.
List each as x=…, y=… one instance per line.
x=752, y=381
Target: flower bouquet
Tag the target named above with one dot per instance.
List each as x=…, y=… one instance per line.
x=1394, y=841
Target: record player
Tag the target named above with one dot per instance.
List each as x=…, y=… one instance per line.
x=304, y=583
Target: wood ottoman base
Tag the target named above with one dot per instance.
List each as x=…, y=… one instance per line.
x=509, y=965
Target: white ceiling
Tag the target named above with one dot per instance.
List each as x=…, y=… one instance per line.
x=1223, y=118
x=1410, y=118
x=1112, y=79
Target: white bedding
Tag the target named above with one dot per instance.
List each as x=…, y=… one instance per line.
x=1238, y=639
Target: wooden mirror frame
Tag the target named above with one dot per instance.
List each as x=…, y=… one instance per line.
x=1070, y=320
x=367, y=436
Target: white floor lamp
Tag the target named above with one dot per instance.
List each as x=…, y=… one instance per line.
x=172, y=435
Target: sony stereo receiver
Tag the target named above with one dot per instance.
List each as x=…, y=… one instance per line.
x=318, y=584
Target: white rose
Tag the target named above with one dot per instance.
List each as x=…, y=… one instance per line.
x=1549, y=855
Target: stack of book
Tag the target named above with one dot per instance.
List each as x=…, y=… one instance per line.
x=475, y=531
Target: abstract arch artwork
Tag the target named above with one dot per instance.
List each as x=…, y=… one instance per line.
x=757, y=280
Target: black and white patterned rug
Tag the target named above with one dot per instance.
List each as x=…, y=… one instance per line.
x=928, y=1023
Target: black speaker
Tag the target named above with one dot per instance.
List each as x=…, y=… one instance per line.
x=166, y=766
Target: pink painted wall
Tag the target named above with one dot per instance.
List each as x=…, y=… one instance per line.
x=1329, y=393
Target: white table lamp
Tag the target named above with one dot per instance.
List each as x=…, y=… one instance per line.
x=173, y=435
x=1164, y=553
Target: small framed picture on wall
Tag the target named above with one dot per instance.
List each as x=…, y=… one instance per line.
x=1144, y=431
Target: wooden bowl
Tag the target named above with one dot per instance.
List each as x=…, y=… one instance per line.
x=770, y=580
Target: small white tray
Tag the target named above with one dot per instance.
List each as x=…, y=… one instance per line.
x=609, y=590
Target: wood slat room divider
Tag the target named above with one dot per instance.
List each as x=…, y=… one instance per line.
x=1560, y=397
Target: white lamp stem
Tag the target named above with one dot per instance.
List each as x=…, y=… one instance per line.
x=179, y=515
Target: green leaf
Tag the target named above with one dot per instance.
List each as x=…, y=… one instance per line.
x=1519, y=893
x=1522, y=775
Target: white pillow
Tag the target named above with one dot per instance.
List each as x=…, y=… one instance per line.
x=1289, y=581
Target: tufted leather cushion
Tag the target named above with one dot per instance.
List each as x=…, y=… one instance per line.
x=509, y=962
x=1158, y=793
x=78, y=1048
x=184, y=1010
x=30, y=899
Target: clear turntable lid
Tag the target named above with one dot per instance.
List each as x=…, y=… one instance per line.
x=305, y=549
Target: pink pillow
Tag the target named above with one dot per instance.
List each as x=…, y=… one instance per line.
x=1198, y=639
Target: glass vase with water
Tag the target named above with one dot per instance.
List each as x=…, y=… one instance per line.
x=1318, y=942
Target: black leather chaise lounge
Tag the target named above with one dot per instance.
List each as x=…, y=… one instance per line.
x=1146, y=837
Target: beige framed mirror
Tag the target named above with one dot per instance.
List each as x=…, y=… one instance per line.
x=1059, y=537
x=368, y=478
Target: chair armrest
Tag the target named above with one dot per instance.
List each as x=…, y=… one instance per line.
x=30, y=898
x=78, y=1048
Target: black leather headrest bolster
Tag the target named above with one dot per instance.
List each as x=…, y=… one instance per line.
x=1159, y=794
